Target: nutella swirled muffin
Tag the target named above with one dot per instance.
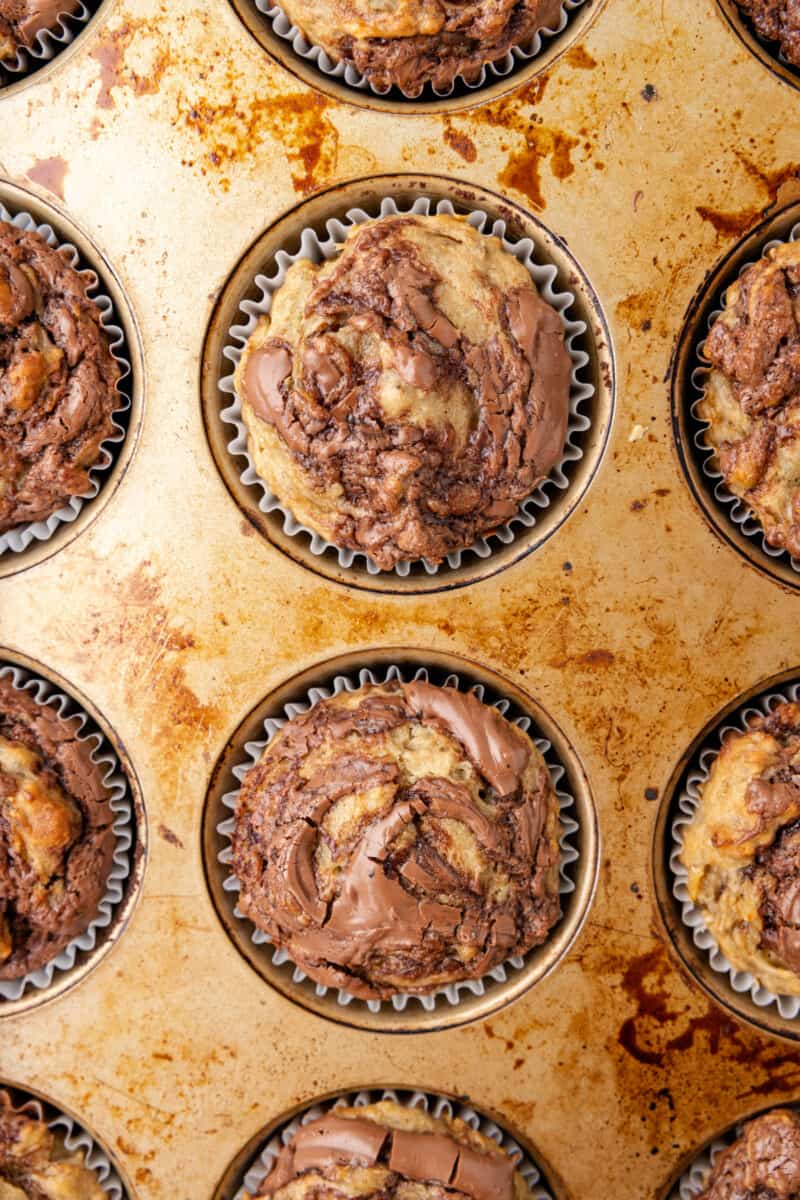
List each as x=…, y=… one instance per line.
x=56, y=836
x=399, y=838
x=21, y=22
x=776, y=21
x=36, y=1165
x=762, y=1164
x=752, y=397
x=385, y=1151
x=404, y=397
x=411, y=43
x=742, y=850
x=58, y=380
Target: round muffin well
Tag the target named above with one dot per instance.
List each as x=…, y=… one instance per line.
x=21, y=22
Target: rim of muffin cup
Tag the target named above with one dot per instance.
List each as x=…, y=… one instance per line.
x=285, y=45
x=692, y=944
x=448, y=1007
x=768, y=53
x=728, y=516
x=74, y=1133
x=252, y=1162
x=70, y=966
x=310, y=228
x=52, y=47
x=34, y=541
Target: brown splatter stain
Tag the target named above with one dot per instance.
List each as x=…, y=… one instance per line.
x=459, y=141
x=635, y=310
x=734, y=224
x=167, y=834
x=110, y=52
x=581, y=58
x=490, y=1033
x=50, y=173
x=592, y=658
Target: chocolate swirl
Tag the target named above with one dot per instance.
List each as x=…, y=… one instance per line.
x=34, y=1163
x=776, y=21
x=398, y=839
x=764, y=1162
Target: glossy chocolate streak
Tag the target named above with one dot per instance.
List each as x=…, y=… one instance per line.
x=763, y=1162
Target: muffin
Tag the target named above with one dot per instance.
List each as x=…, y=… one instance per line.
x=58, y=380
x=56, y=836
x=21, y=21
x=776, y=21
x=399, y=838
x=408, y=43
x=742, y=850
x=36, y=1165
x=752, y=398
x=387, y=1151
x=404, y=397
x=762, y=1164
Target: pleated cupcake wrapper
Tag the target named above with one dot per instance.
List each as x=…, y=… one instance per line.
x=47, y=44
x=74, y=1137
x=429, y=1102
x=489, y=73
x=688, y=801
x=119, y=803
x=737, y=510
x=317, y=249
x=21, y=536
x=453, y=992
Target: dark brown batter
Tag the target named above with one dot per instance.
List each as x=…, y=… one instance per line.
x=762, y=1164
x=22, y=20
x=777, y=21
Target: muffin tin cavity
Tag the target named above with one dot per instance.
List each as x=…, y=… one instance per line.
x=456, y=1004
x=50, y=47
x=728, y=516
x=321, y=222
x=768, y=53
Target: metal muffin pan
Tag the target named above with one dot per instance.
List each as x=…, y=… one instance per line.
x=43, y=68
x=766, y=52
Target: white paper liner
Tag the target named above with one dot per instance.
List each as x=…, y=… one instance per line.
x=46, y=45
x=735, y=508
x=429, y=1102
x=119, y=802
x=453, y=992
x=346, y=73
x=74, y=1137
x=20, y=537
x=688, y=800
x=316, y=249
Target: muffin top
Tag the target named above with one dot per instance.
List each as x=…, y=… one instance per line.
x=762, y=1164
x=742, y=850
x=404, y=397
x=22, y=20
x=776, y=21
x=399, y=838
x=56, y=839
x=389, y=1151
x=35, y=1164
x=58, y=379
x=410, y=43
x=752, y=398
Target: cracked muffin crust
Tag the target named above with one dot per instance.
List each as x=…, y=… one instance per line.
x=22, y=20
x=403, y=398
x=742, y=850
x=58, y=380
x=35, y=1164
x=410, y=43
x=397, y=839
x=762, y=1164
x=56, y=836
x=752, y=396
x=391, y=1152
x=776, y=21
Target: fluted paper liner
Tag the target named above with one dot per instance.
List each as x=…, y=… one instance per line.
x=47, y=44
x=119, y=803
x=317, y=249
x=452, y=993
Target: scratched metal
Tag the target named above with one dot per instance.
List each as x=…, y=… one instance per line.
x=651, y=146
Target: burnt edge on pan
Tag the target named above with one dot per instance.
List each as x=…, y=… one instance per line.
x=766, y=52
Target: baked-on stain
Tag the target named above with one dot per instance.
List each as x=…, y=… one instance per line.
x=734, y=224
x=459, y=141
x=167, y=834
x=580, y=58
x=50, y=173
x=109, y=51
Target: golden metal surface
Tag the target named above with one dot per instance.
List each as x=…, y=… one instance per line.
x=651, y=146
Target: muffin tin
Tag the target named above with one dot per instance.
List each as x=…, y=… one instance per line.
x=52, y=46
x=632, y=626
x=767, y=52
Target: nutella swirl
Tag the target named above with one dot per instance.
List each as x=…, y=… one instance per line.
x=764, y=1161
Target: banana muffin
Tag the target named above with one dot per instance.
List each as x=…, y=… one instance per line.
x=56, y=837
x=404, y=397
x=36, y=1165
x=388, y=1152
x=752, y=397
x=762, y=1164
x=21, y=21
x=742, y=850
x=397, y=839
x=58, y=380
x=410, y=43
x=776, y=21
